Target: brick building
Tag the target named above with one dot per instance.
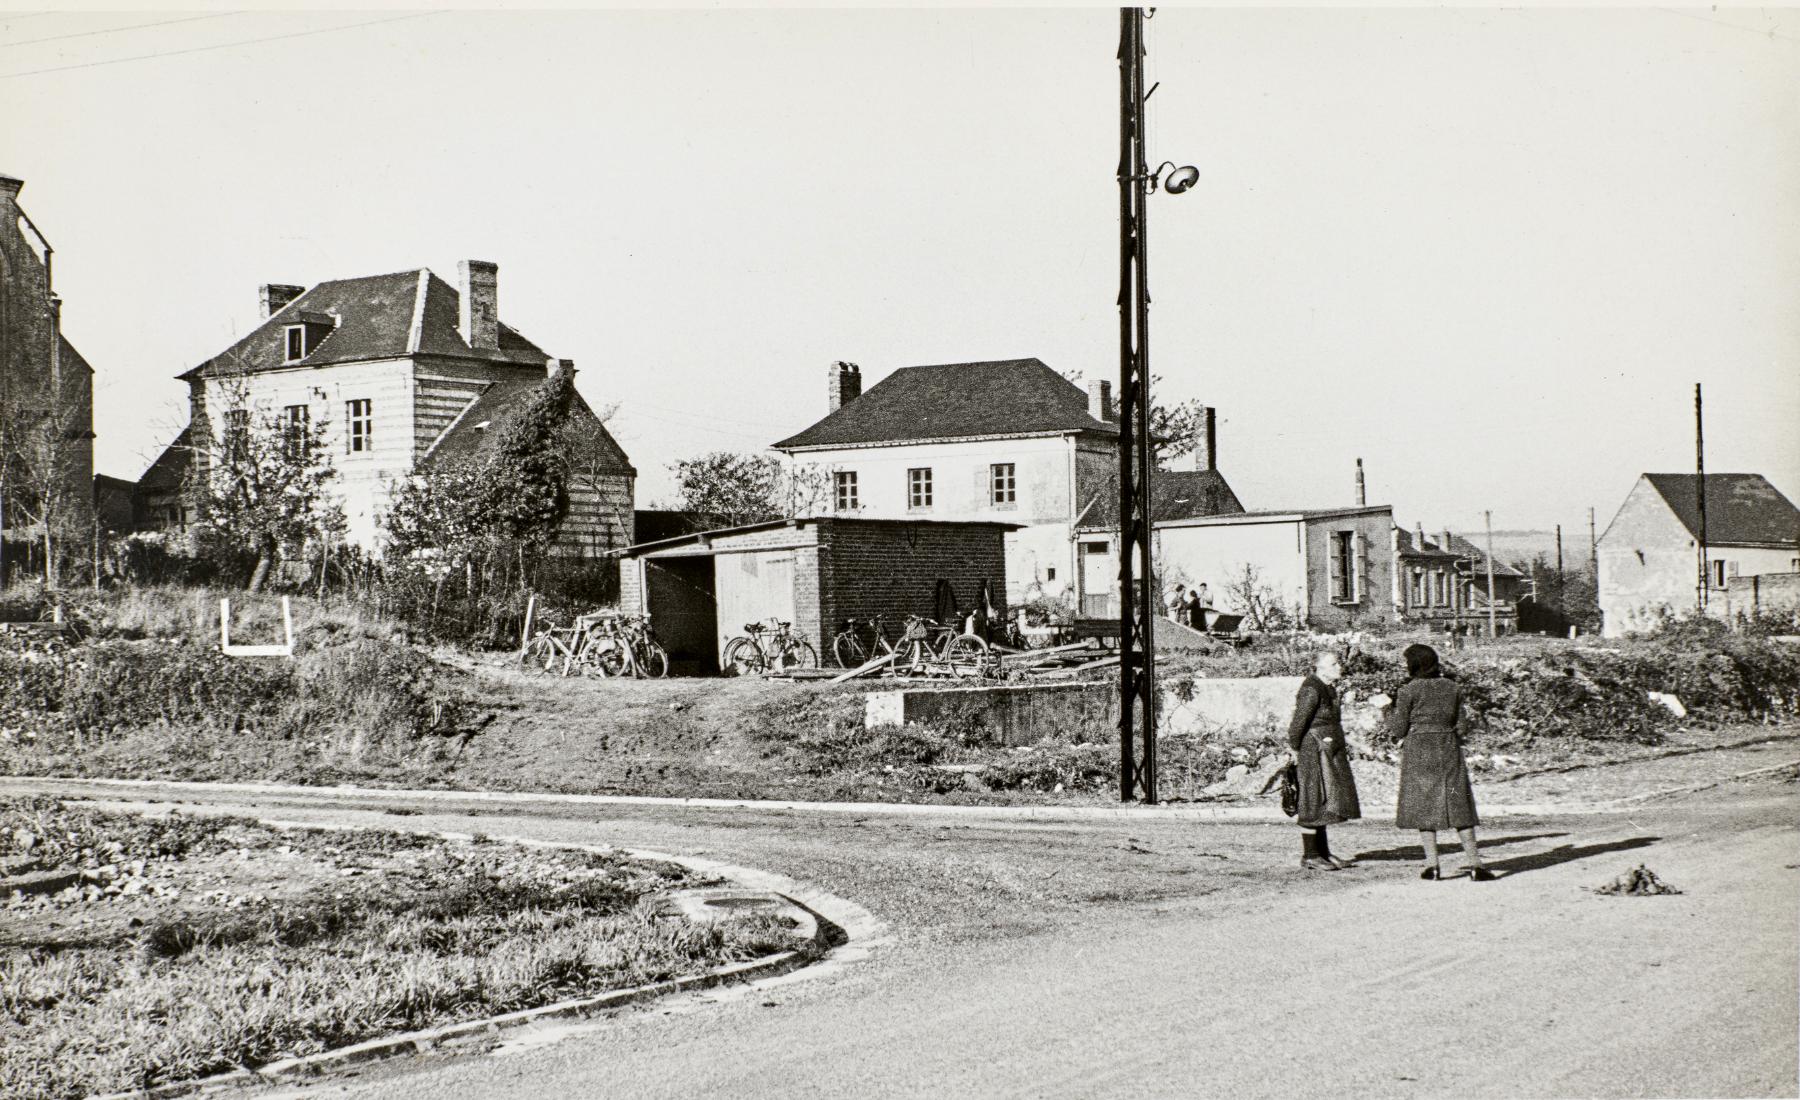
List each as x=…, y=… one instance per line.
x=401, y=371
x=46, y=395
x=701, y=589
x=1441, y=580
x=1007, y=441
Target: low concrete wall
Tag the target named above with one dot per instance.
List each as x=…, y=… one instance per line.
x=1027, y=713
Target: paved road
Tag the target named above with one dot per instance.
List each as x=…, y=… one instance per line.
x=1122, y=958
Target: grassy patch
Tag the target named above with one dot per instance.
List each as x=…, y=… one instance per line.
x=194, y=946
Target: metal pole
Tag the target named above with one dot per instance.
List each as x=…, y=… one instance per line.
x=1137, y=616
x=1700, y=495
x=1493, y=627
x=1593, y=549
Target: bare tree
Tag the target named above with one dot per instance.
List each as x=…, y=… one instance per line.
x=1258, y=602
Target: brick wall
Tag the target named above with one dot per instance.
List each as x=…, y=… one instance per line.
x=868, y=569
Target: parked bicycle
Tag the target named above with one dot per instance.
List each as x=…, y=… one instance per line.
x=771, y=646
x=849, y=647
x=622, y=645
x=928, y=647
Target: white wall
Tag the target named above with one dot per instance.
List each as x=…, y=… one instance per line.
x=1216, y=555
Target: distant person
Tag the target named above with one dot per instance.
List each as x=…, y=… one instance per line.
x=1172, y=608
x=1430, y=719
x=1190, y=609
x=1327, y=792
x=1203, y=608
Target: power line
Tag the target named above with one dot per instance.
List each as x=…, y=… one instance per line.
x=115, y=30
x=220, y=46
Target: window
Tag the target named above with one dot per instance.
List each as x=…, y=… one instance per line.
x=1441, y=588
x=843, y=484
x=296, y=424
x=296, y=343
x=361, y=420
x=1723, y=571
x=1003, y=483
x=1417, y=595
x=1346, y=572
x=918, y=488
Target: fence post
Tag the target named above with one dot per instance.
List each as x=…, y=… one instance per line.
x=530, y=614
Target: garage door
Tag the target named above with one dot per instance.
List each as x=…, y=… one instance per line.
x=753, y=588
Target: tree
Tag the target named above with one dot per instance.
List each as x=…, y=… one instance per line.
x=1257, y=601
x=1173, y=428
x=260, y=483
x=725, y=489
x=526, y=487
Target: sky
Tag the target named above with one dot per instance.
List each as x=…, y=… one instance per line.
x=1490, y=252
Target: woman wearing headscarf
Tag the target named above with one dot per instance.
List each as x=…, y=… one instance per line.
x=1430, y=719
x=1327, y=792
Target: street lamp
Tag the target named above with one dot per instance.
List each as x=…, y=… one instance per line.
x=1137, y=597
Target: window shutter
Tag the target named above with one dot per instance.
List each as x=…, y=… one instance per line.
x=1336, y=566
x=1360, y=591
x=1731, y=569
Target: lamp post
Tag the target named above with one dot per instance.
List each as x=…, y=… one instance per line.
x=1137, y=578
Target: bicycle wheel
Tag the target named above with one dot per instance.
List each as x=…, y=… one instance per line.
x=848, y=650
x=538, y=655
x=799, y=654
x=967, y=656
x=742, y=657
x=653, y=660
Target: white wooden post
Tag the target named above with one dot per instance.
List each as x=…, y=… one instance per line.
x=530, y=614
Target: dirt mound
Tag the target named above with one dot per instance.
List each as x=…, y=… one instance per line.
x=1640, y=881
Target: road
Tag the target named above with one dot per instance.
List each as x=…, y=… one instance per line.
x=1116, y=958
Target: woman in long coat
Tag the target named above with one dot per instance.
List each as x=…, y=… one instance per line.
x=1430, y=719
x=1316, y=743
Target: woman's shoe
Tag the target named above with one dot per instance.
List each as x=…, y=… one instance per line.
x=1431, y=874
x=1481, y=874
x=1316, y=863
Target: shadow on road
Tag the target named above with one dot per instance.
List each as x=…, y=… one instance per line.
x=1416, y=853
x=1567, y=853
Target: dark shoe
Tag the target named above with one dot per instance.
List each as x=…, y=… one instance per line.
x=1317, y=863
x=1431, y=874
x=1481, y=874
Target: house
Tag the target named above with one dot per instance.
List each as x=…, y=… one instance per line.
x=1649, y=556
x=1325, y=569
x=1008, y=441
x=701, y=589
x=1442, y=581
x=400, y=371
x=46, y=392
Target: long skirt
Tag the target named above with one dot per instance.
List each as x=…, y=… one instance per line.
x=1327, y=789
x=1435, y=792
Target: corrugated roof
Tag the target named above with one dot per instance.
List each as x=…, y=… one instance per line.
x=1175, y=495
x=374, y=320
x=954, y=401
x=1740, y=508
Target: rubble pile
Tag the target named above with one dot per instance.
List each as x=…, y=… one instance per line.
x=1640, y=881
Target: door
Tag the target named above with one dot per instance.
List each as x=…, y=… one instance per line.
x=753, y=587
x=1099, y=573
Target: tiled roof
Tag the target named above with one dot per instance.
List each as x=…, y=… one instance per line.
x=478, y=426
x=1460, y=549
x=374, y=320
x=1175, y=494
x=955, y=401
x=170, y=468
x=1740, y=508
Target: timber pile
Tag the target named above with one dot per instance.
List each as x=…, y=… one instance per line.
x=1638, y=882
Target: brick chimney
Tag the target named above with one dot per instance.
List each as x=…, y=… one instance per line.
x=843, y=384
x=10, y=186
x=276, y=296
x=1206, y=439
x=477, y=308
x=1100, y=403
x=1446, y=545
x=1419, y=536
x=1362, y=489
x=554, y=367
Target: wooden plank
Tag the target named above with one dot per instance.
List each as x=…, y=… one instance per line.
x=864, y=669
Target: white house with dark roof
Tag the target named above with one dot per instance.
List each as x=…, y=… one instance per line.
x=1649, y=556
x=401, y=370
x=1010, y=441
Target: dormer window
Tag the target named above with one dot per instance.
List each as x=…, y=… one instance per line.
x=296, y=343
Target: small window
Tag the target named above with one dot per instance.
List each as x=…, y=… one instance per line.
x=843, y=484
x=1441, y=588
x=918, y=488
x=1003, y=483
x=1344, y=580
x=296, y=343
x=1720, y=577
x=296, y=430
x=361, y=421
x=1050, y=573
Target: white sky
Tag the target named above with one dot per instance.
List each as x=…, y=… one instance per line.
x=1488, y=251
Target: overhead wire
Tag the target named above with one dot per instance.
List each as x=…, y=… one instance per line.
x=116, y=30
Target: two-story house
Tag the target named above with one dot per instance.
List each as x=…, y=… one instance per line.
x=1441, y=580
x=399, y=371
x=1009, y=441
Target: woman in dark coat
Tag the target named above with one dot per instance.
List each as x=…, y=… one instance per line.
x=1316, y=744
x=1430, y=719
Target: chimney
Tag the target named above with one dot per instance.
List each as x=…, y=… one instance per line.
x=1446, y=545
x=276, y=296
x=1100, y=405
x=1362, y=490
x=1419, y=538
x=554, y=367
x=478, y=309
x=843, y=384
x=1206, y=439
x=10, y=186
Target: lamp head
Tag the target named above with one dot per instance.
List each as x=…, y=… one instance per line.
x=1181, y=179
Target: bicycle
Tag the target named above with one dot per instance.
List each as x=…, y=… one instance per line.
x=764, y=647
x=550, y=646
x=929, y=646
x=847, y=646
x=621, y=645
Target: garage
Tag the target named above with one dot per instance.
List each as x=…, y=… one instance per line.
x=701, y=589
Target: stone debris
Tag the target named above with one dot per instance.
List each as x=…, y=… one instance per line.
x=1640, y=881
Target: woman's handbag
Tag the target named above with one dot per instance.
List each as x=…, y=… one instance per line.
x=1289, y=778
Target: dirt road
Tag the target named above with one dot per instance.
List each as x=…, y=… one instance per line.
x=1088, y=959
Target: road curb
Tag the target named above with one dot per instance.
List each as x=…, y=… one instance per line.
x=1178, y=811
x=850, y=917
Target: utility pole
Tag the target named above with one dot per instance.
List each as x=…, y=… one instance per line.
x=1561, y=599
x=1137, y=616
x=1493, y=621
x=1593, y=549
x=1700, y=495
